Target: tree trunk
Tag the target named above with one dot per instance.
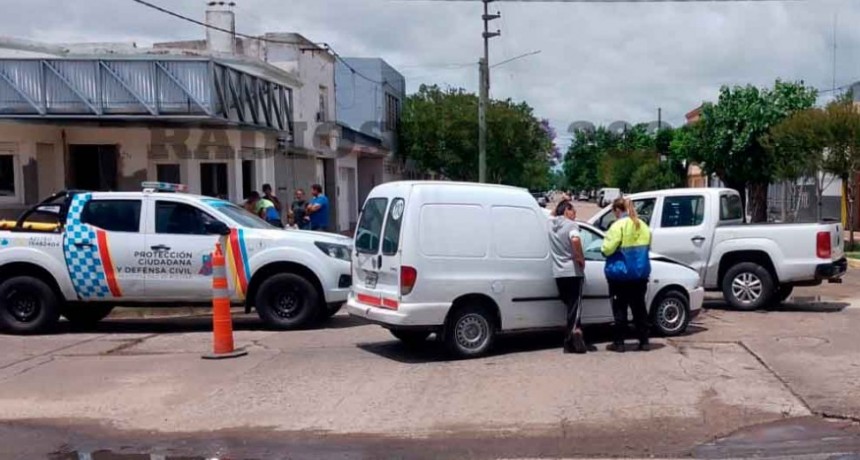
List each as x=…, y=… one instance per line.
x=818, y=192
x=758, y=202
x=851, y=188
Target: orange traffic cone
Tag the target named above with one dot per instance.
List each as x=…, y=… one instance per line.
x=222, y=321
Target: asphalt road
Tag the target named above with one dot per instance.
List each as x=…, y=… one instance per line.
x=776, y=383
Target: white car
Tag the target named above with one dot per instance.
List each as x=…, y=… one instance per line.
x=155, y=249
x=469, y=261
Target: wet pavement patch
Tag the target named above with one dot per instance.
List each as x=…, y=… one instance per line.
x=790, y=437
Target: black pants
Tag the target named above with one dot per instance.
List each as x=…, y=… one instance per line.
x=629, y=294
x=570, y=290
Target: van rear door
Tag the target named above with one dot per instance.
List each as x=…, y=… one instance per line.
x=376, y=261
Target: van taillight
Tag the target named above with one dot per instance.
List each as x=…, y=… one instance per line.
x=822, y=245
x=408, y=277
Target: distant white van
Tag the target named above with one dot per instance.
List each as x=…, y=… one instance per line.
x=467, y=261
x=606, y=196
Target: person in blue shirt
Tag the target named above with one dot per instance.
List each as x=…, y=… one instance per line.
x=318, y=209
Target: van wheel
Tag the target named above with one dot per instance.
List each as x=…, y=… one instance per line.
x=27, y=305
x=411, y=338
x=470, y=332
x=287, y=301
x=670, y=313
x=86, y=315
x=748, y=286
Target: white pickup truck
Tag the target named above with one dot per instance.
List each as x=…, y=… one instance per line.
x=94, y=251
x=752, y=264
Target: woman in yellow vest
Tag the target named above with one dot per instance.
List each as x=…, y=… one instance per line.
x=628, y=267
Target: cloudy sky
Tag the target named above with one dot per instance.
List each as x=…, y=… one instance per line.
x=599, y=62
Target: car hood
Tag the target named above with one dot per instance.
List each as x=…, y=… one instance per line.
x=274, y=236
x=667, y=259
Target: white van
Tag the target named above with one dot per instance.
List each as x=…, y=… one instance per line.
x=606, y=196
x=468, y=261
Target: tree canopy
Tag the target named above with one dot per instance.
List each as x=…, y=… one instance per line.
x=439, y=131
x=727, y=139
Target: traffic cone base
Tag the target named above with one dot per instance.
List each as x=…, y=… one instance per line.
x=233, y=354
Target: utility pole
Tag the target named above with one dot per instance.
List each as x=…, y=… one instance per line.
x=484, y=90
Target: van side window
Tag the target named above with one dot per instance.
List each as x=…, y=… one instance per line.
x=731, y=207
x=518, y=233
x=591, y=244
x=391, y=237
x=683, y=211
x=370, y=226
x=458, y=231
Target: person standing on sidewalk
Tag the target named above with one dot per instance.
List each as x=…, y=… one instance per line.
x=627, y=270
x=318, y=209
x=568, y=268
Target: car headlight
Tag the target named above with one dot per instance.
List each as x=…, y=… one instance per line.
x=338, y=251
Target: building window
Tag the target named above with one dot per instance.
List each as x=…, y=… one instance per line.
x=392, y=112
x=8, y=171
x=168, y=173
x=322, y=114
x=248, y=183
x=213, y=180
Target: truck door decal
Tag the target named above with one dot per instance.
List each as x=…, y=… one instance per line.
x=87, y=255
x=237, y=259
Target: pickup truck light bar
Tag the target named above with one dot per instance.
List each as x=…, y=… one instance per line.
x=152, y=186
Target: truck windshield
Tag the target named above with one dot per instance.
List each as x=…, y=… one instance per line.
x=239, y=215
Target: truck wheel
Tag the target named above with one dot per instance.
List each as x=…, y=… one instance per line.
x=470, y=332
x=784, y=292
x=287, y=301
x=670, y=313
x=748, y=286
x=411, y=338
x=27, y=305
x=86, y=315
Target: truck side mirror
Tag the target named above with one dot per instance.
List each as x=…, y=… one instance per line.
x=216, y=227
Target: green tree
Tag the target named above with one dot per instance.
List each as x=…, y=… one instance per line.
x=797, y=145
x=438, y=130
x=727, y=139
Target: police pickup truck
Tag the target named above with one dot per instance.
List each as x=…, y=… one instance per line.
x=80, y=254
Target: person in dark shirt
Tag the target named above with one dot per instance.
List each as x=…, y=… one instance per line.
x=297, y=210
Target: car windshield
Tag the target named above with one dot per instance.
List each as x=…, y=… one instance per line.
x=239, y=214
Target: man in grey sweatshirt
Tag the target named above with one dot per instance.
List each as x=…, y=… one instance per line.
x=568, y=267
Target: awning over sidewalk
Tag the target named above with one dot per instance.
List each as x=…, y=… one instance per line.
x=145, y=87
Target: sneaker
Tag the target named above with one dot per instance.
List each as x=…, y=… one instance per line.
x=568, y=346
x=617, y=347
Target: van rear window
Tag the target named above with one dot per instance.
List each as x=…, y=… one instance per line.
x=370, y=226
x=391, y=239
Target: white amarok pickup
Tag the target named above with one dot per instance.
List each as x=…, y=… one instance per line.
x=752, y=264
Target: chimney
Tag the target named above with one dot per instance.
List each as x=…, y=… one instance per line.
x=220, y=15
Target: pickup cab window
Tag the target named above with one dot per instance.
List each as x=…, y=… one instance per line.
x=113, y=215
x=644, y=207
x=683, y=211
x=731, y=207
x=180, y=219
